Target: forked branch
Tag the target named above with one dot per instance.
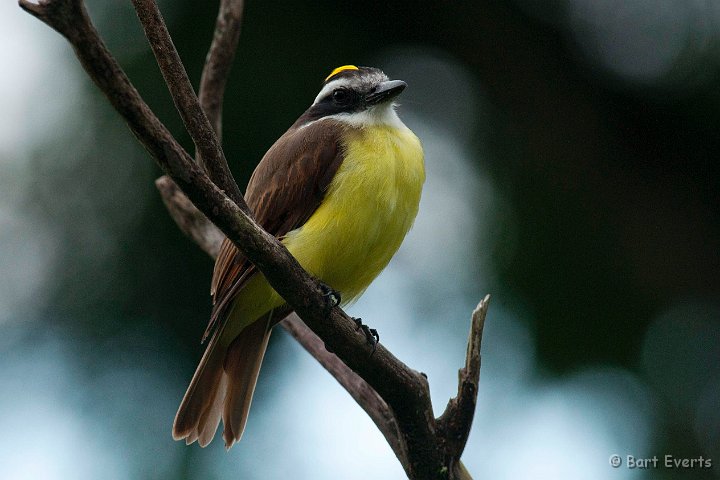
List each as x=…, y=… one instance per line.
x=395, y=396
x=196, y=123
x=454, y=424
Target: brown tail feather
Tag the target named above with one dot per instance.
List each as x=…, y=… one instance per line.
x=242, y=366
x=211, y=419
x=199, y=413
x=223, y=386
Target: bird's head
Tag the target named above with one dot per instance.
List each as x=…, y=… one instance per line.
x=356, y=95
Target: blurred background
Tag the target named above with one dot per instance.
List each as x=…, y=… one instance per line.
x=572, y=157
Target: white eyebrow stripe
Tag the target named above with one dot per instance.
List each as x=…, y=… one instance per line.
x=340, y=82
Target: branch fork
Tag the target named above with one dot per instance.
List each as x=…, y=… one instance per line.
x=205, y=201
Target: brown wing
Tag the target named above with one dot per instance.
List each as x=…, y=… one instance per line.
x=284, y=191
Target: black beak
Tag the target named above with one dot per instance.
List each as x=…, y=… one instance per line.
x=385, y=92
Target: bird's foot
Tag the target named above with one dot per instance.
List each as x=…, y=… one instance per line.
x=332, y=297
x=372, y=335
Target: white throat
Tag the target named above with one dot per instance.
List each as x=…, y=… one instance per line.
x=383, y=114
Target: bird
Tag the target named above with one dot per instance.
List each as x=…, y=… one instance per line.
x=340, y=189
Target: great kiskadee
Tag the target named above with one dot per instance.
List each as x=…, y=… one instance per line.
x=340, y=189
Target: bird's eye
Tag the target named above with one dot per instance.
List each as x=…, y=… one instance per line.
x=341, y=96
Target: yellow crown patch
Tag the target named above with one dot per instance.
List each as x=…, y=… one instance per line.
x=341, y=69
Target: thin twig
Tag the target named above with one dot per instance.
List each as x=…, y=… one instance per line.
x=213, y=80
x=181, y=90
x=190, y=220
x=454, y=424
x=359, y=390
x=219, y=60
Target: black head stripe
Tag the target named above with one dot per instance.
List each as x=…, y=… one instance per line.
x=325, y=108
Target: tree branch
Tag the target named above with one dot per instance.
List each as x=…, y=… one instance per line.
x=420, y=427
x=211, y=93
x=356, y=386
x=219, y=60
x=210, y=152
x=190, y=220
x=454, y=424
x=206, y=235
x=403, y=391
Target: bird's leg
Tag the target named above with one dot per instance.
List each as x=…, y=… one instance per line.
x=333, y=299
x=372, y=335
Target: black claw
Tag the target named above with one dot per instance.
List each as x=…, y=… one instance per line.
x=375, y=335
x=332, y=296
x=327, y=347
x=372, y=335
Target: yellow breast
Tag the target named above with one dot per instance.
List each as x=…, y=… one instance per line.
x=369, y=207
